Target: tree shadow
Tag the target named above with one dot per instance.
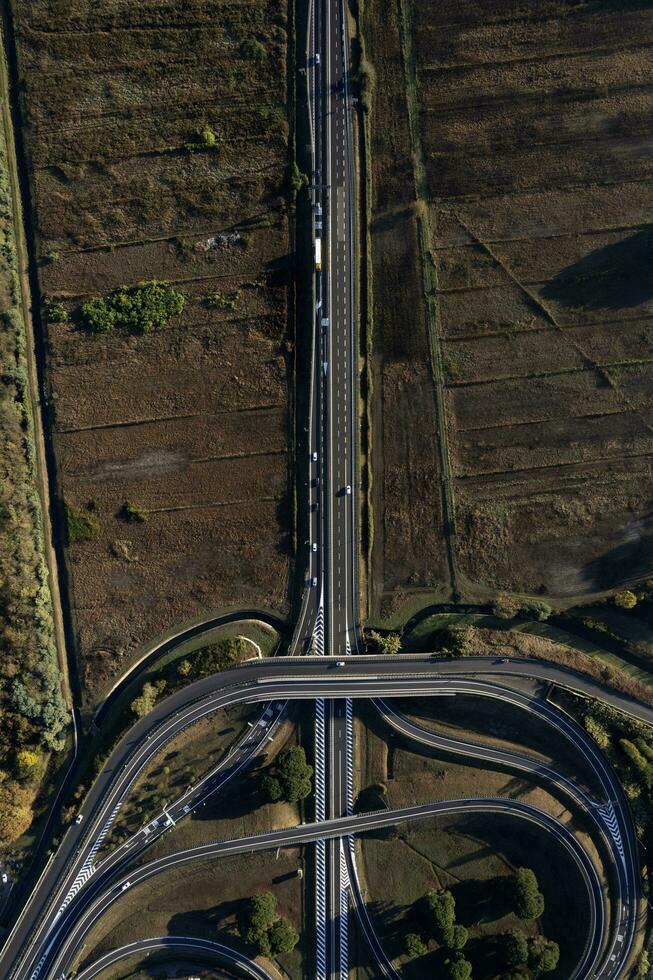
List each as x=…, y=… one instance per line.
x=481, y=900
x=617, y=276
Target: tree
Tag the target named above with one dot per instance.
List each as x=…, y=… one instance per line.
x=441, y=914
x=636, y=759
x=390, y=643
x=294, y=774
x=144, y=703
x=458, y=641
x=184, y=668
x=458, y=968
x=527, y=899
x=514, y=948
x=27, y=763
x=459, y=938
x=272, y=788
x=205, y=139
x=283, y=936
x=15, y=811
x=415, y=945
x=625, y=599
x=543, y=955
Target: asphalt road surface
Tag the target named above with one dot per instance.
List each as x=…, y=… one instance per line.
x=255, y=681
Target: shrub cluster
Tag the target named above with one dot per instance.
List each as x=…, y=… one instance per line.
x=141, y=309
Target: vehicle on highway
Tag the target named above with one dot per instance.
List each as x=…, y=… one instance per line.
x=5, y=879
x=348, y=490
x=314, y=581
x=79, y=818
x=317, y=58
x=125, y=885
x=314, y=546
x=314, y=457
x=340, y=663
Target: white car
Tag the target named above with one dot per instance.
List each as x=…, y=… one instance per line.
x=314, y=581
x=125, y=886
x=314, y=457
x=348, y=490
x=340, y=663
x=317, y=58
x=4, y=878
x=314, y=546
x=79, y=818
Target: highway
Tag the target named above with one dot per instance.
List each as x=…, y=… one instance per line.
x=333, y=428
x=97, y=900
x=75, y=889
x=258, y=681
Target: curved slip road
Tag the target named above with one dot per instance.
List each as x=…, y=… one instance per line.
x=96, y=905
x=252, y=682
x=182, y=944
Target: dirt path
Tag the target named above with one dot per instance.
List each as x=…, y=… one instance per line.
x=41, y=471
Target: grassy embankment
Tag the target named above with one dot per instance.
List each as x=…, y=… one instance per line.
x=34, y=717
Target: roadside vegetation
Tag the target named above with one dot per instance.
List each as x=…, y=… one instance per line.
x=34, y=718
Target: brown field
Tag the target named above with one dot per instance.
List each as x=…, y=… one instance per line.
x=533, y=159
x=191, y=423
x=408, y=551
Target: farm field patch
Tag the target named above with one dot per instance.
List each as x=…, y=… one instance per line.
x=532, y=137
x=190, y=424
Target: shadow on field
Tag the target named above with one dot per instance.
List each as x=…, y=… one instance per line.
x=629, y=559
x=611, y=278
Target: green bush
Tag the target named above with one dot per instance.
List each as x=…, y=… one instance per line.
x=223, y=301
x=57, y=313
x=132, y=513
x=80, y=525
x=457, y=641
x=388, y=644
x=252, y=49
x=205, y=140
x=142, y=309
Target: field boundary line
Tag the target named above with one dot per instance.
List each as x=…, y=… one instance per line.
x=429, y=285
